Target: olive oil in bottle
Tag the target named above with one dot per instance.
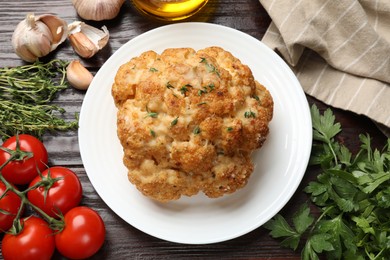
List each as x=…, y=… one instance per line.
x=171, y=10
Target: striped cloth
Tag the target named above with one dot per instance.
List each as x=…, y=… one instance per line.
x=339, y=50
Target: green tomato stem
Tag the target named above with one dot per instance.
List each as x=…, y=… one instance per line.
x=17, y=227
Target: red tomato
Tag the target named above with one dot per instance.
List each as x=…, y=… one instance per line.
x=58, y=196
x=83, y=234
x=23, y=170
x=9, y=204
x=35, y=241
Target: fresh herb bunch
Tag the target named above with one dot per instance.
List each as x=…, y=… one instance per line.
x=25, y=95
x=352, y=194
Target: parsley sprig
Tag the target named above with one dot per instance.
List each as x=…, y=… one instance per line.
x=352, y=195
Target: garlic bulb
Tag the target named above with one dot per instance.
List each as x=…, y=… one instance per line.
x=87, y=40
x=78, y=76
x=37, y=36
x=98, y=10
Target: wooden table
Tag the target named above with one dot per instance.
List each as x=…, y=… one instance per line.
x=124, y=241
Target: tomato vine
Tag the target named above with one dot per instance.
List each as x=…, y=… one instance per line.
x=46, y=194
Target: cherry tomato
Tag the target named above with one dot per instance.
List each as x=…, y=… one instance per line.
x=83, y=234
x=9, y=207
x=61, y=192
x=23, y=170
x=35, y=241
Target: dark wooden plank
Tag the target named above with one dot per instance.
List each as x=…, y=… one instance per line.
x=128, y=24
x=124, y=241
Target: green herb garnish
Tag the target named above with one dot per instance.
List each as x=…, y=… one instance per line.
x=352, y=193
x=201, y=92
x=153, y=70
x=256, y=97
x=196, y=130
x=184, y=89
x=210, y=67
x=150, y=113
x=249, y=114
x=211, y=87
x=174, y=121
x=169, y=85
x=206, y=89
x=26, y=93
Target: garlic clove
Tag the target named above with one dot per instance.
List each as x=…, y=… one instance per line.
x=98, y=10
x=38, y=39
x=78, y=76
x=57, y=27
x=87, y=40
x=37, y=36
x=24, y=53
x=82, y=45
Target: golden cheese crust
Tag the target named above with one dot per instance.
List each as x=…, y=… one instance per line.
x=188, y=121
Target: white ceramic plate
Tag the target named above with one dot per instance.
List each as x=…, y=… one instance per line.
x=279, y=165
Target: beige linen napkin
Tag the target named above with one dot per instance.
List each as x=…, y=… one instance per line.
x=338, y=49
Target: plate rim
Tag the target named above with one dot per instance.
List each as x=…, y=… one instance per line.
x=203, y=25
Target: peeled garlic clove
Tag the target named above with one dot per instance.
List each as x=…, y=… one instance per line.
x=98, y=10
x=78, y=76
x=87, y=40
x=82, y=45
x=37, y=36
x=57, y=27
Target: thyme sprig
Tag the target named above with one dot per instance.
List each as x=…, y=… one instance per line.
x=25, y=95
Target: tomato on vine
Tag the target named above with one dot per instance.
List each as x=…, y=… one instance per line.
x=34, y=239
x=58, y=190
x=83, y=233
x=29, y=154
x=10, y=204
x=77, y=232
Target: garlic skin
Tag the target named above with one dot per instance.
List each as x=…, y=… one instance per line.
x=37, y=36
x=87, y=40
x=78, y=76
x=98, y=10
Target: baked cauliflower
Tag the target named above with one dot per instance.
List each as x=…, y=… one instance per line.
x=188, y=121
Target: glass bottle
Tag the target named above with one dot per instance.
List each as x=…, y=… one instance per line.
x=170, y=10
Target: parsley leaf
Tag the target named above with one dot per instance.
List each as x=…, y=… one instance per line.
x=351, y=194
x=302, y=219
x=280, y=228
x=341, y=236
x=324, y=127
x=316, y=244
